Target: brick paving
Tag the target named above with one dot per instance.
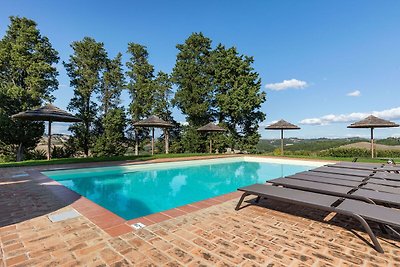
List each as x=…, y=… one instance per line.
x=272, y=234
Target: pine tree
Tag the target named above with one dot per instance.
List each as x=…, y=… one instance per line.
x=192, y=76
x=27, y=79
x=112, y=121
x=85, y=68
x=141, y=87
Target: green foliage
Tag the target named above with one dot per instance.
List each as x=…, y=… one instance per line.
x=84, y=68
x=112, y=122
x=190, y=141
x=36, y=154
x=238, y=96
x=162, y=96
x=391, y=141
x=219, y=84
x=59, y=152
x=141, y=88
x=312, y=145
x=140, y=73
x=112, y=84
x=192, y=76
x=345, y=152
x=27, y=78
x=112, y=140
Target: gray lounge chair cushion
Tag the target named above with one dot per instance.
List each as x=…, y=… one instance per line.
x=371, y=212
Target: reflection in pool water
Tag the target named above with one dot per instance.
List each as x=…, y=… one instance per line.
x=139, y=193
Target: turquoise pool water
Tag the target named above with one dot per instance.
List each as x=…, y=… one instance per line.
x=132, y=193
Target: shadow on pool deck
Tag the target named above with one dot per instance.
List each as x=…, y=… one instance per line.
x=24, y=198
x=348, y=224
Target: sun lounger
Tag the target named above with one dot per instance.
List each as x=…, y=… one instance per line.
x=371, y=179
x=366, y=166
x=366, y=183
x=359, y=173
x=340, y=190
x=343, y=171
x=358, y=210
x=327, y=180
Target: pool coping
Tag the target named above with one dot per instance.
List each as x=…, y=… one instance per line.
x=115, y=225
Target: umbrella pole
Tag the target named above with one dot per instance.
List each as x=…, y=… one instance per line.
x=372, y=142
x=49, y=142
x=210, y=145
x=152, y=141
x=282, y=142
x=166, y=141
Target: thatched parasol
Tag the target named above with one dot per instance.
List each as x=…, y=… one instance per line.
x=282, y=125
x=373, y=122
x=48, y=113
x=211, y=128
x=155, y=122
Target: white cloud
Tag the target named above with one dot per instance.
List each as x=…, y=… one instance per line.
x=354, y=93
x=388, y=114
x=287, y=84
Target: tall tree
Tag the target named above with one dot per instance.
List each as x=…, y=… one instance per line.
x=162, y=106
x=141, y=86
x=112, y=84
x=85, y=68
x=162, y=96
x=192, y=76
x=238, y=95
x=112, y=121
x=27, y=79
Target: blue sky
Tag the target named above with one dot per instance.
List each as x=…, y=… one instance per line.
x=315, y=58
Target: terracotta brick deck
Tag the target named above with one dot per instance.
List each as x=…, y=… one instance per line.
x=209, y=234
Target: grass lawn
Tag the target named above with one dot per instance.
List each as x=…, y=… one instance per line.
x=158, y=156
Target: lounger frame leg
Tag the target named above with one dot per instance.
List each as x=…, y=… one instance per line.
x=241, y=200
x=371, y=234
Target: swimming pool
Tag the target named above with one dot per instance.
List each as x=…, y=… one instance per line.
x=138, y=190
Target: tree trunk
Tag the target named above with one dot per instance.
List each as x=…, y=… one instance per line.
x=166, y=136
x=136, y=143
x=20, y=152
x=87, y=129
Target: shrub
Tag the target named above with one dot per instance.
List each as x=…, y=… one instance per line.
x=358, y=152
x=36, y=154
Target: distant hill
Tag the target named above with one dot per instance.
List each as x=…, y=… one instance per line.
x=56, y=140
x=367, y=145
x=297, y=144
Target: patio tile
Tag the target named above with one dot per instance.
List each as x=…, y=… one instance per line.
x=16, y=260
x=174, y=213
x=118, y=230
x=157, y=217
x=209, y=234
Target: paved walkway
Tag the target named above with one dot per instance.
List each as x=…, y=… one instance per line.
x=273, y=235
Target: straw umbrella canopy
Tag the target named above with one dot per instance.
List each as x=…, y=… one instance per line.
x=155, y=122
x=47, y=113
x=282, y=125
x=211, y=128
x=372, y=122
